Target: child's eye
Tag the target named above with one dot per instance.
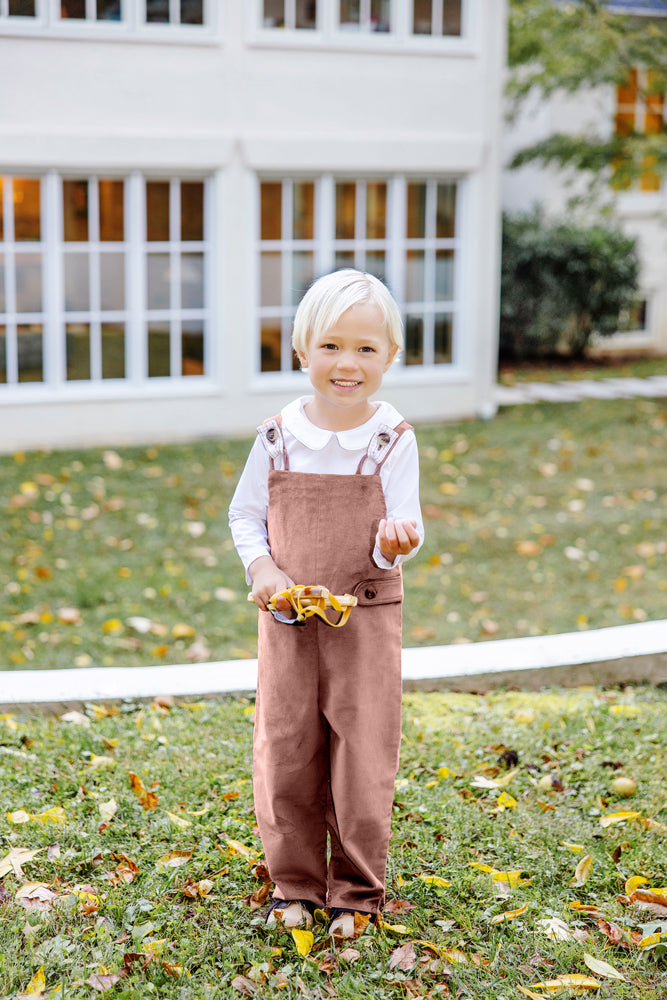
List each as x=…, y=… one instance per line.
x=368, y=349
x=330, y=347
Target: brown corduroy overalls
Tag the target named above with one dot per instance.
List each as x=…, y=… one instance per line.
x=328, y=715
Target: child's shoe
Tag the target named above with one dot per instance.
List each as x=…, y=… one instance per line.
x=343, y=925
x=290, y=913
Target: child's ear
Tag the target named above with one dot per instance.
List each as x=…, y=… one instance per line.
x=303, y=360
x=393, y=351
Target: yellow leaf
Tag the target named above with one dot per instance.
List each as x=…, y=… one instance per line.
x=108, y=810
x=576, y=983
x=147, y=798
x=454, y=955
x=443, y=772
x=481, y=867
x=17, y=856
x=618, y=817
x=582, y=872
x=304, y=941
x=508, y=915
x=634, y=882
x=236, y=847
x=112, y=626
x=506, y=801
x=178, y=821
x=182, y=631
x=628, y=711
x=101, y=761
x=35, y=987
x=19, y=816
x=652, y=939
x=506, y=778
x=174, y=859
x=394, y=928
x=601, y=968
x=575, y=848
x=529, y=993
x=441, y=883
x=513, y=878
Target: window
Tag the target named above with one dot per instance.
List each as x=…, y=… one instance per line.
x=402, y=230
x=290, y=14
x=365, y=15
x=128, y=15
x=639, y=109
x=118, y=291
x=436, y=17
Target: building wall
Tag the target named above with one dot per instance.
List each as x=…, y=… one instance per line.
x=237, y=105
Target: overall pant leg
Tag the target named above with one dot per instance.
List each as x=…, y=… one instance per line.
x=290, y=756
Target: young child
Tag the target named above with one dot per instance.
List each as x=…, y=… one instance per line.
x=330, y=496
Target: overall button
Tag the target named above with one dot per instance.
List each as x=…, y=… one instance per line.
x=384, y=438
x=370, y=594
x=271, y=434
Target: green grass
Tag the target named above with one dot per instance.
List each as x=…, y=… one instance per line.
x=550, y=518
x=588, y=368
x=449, y=817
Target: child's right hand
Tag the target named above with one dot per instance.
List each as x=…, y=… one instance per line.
x=267, y=580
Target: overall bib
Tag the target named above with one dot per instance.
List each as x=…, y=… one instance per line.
x=328, y=715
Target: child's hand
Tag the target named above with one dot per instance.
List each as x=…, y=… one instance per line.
x=267, y=580
x=396, y=538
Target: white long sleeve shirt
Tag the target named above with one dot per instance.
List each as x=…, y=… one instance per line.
x=314, y=449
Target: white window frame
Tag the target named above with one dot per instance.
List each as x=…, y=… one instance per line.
x=329, y=34
x=133, y=26
x=396, y=243
x=135, y=315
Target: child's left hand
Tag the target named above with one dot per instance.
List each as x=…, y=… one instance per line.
x=396, y=538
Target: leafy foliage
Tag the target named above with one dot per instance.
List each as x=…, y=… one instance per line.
x=561, y=283
x=576, y=46
x=514, y=868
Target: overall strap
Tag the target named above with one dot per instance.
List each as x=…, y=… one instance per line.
x=381, y=445
x=271, y=435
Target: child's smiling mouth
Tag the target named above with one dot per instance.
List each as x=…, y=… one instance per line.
x=345, y=383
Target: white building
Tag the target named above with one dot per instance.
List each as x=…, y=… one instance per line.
x=175, y=172
x=641, y=210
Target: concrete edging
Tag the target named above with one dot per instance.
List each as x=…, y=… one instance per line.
x=625, y=653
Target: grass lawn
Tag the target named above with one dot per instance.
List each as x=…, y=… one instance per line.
x=595, y=368
x=128, y=855
x=549, y=518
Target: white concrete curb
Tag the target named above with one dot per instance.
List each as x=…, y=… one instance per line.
x=626, y=653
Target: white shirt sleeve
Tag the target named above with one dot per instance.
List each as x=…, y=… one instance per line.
x=248, y=509
x=400, y=483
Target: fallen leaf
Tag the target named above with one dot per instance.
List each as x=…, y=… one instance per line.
x=35, y=987
x=304, y=941
x=108, y=810
x=582, y=872
x=349, y=955
x=575, y=848
x=147, y=798
x=508, y=915
x=398, y=906
x=404, y=957
x=436, y=880
x=634, y=883
x=244, y=985
x=576, y=983
x=103, y=981
x=601, y=968
x=17, y=857
x=174, y=859
x=178, y=821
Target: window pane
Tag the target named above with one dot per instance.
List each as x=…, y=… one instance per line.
x=158, y=273
x=304, y=210
x=158, y=350
x=111, y=197
x=443, y=340
x=28, y=282
x=157, y=210
x=113, y=350
x=3, y=301
x=302, y=274
x=21, y=8
x=626, y=93
x=108, y=10
x=421, y=17
x=625, y=122
x=77, y=282
x=192, y=210
x=271, y=210
x=157, y=11
x=345, y=198
x=75, y=211
x=3, y=355
x=112, y=281
x=451, y=17
x=414, y=340
x=380, y=15
x=350, y=13
x=344, y=258
x=305, y=13
x=376, y=210
x=274, y=16
x=271, y=279
x=444, y=275
x=271, y=345
x=446, y=211
x=192, y=348
x=192, y=12
x=73, y=8
x=30, y=353
x=192, y=281
x=414, y=276
x=375, y=263
x=77, y=339
x=416, y=211
x=26, y=209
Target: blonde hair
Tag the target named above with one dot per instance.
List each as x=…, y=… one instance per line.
x=333, y=294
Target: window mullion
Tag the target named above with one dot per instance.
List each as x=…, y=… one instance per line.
x=136, y=348
x=94, y=266
x=287, y=235
x=175, y=269
x=396, y=216
x=174, y=12
x=325, y=223
x=437, y=18
x=10, y=290
x=91, y=10
x=360, y=225
x=53, y=325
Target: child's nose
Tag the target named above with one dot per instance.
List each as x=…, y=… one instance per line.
x=347, y=360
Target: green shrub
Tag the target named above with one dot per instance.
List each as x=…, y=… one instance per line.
x=562, y=283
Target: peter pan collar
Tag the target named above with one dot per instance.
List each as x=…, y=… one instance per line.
x=317, y=438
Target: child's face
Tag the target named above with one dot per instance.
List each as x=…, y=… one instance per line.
x=345, y=366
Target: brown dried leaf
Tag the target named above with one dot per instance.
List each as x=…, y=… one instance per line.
x=398, y=906
x=403, y=957
x=147, y=798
